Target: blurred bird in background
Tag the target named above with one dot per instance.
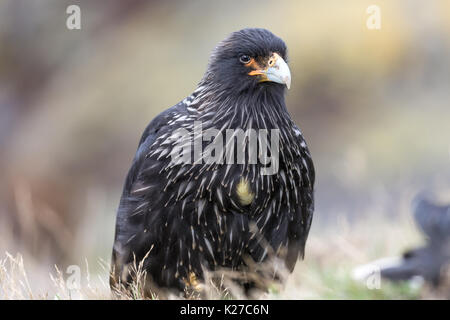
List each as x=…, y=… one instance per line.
x=430, y=262
x=179, y=220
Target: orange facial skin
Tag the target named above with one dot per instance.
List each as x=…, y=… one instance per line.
x=260, y=69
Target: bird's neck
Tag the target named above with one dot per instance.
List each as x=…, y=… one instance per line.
x=259, y=108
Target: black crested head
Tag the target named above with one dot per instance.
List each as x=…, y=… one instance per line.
x=248, y=60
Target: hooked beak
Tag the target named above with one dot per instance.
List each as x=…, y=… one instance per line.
x=277, y=71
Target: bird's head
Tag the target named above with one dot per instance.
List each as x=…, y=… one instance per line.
x=249, y=59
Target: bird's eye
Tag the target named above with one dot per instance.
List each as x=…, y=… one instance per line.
x=245, y=59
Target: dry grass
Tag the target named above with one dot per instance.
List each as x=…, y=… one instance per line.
x=326, y=272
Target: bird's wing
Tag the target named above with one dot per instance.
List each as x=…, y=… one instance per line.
x=299, y=227
x=154, y=129
x=128, y=201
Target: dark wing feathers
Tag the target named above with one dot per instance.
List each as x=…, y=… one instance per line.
x=158, y=125
x=299, y=228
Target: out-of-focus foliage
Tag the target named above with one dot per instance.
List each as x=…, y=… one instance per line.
x=373, y=104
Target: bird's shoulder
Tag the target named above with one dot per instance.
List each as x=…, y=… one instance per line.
x=161, y=124
x=304, y=158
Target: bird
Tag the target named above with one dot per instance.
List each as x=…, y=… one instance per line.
x=178, y=220
x=428, y=263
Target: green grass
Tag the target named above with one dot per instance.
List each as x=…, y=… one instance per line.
x=341, y=286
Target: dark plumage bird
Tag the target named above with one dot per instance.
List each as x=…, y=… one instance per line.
x=179, y=219
x=430, y=260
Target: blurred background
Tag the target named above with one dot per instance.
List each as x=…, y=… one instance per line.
x=372, y=104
